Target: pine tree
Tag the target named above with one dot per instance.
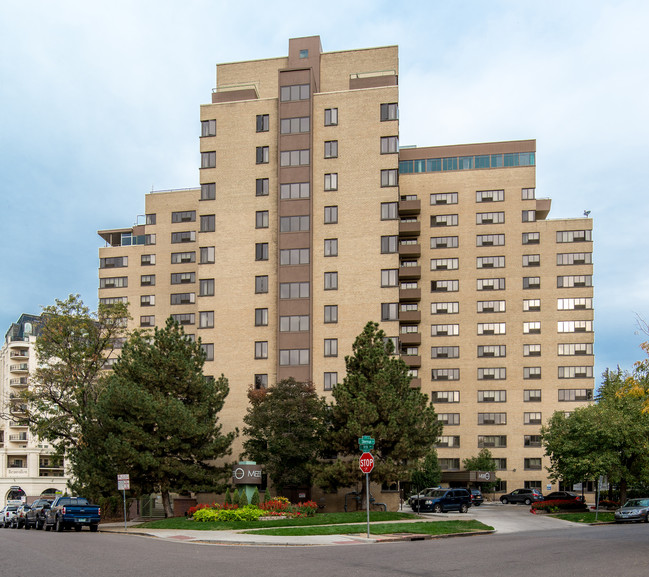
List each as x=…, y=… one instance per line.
x=254, y=500
x=235, y=497
x=243, y=499
x=228, y=497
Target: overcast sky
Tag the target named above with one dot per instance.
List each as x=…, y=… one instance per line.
x=99, y=104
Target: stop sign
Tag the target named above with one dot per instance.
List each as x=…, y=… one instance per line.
x=367, y=462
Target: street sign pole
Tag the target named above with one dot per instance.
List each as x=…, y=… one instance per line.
x=367, y=500
x=123, y=483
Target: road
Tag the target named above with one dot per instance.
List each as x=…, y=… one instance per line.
x=617, y=550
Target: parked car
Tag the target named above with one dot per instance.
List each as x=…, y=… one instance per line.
x=563, y=496
x=442, y=500
x=633, y=510
x=476, y=497
x=413, y=498
x=527, y=496
x=77, y=512
x=18, y=520
x=35, y=517
x=7, y=515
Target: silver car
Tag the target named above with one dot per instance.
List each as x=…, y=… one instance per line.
x=633, y=510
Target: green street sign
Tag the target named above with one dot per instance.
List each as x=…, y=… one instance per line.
x=366, y=443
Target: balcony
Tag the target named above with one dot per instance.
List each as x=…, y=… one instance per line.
x=413, y=361
x=410, y=316
x=20, y=368
x=19, y=382
x=415, y=383
x=19, y=437
x=410, y=294
x=412, y=206
x=543, y=208
x=410, y=250
x=409, y=272
x=19, y=354
x=409, y=227
x=18, y=424
x=410, y=339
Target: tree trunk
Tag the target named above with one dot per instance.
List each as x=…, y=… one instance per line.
x=166, y=503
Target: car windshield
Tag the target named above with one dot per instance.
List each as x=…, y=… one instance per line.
x=437, y=493
x=637, y=503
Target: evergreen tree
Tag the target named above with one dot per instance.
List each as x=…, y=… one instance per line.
x=254, y=500
x=159, y=414
x=284, y=428
x=428, y=473
x=235, y=497
x=228, y=497
x=243, y=499
x=483, y=462
x=375, y=399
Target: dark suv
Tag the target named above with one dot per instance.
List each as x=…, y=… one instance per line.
x=35, y=517
x=527, y=496
x=442, y=500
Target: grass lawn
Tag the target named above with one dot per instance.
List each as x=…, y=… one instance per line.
x=585, y=517
x=423, y=527
x=318, y=519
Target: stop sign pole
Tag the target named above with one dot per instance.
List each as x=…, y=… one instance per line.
x=367, y=464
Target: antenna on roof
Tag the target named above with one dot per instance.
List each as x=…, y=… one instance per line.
x=586, y=213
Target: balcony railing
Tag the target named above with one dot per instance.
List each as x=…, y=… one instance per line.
x=20, y=368
x=19, y=354
x=19, y=382
x=18, y=437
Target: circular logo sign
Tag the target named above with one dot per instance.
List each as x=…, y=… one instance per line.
x=238, y=473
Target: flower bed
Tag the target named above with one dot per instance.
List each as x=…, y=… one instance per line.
x=557, y=506
x=274, y=508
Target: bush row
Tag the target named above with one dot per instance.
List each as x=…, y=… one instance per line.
x=279, y=506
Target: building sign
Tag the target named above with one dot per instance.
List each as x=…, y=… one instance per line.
x=246, y=475
x=484, y=476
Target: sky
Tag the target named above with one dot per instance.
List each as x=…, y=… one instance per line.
x=99, y=104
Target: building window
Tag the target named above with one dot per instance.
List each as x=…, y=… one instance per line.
x=297, y=125
x=572, y=281
x=262, y=155
x=449, y=464
x=331, y=116
x=531, y=260
x=575, y=327
x=443, y=220
x=331, y=181
x=331, y=247
x=183, y=216
x=532, y=464
x=389, y=244
x=441, y=286
x=389, y=277
x=529, y=216
x=208, y=128
x=206, y=287
x=531, y=237
x=208, y=159
x=208, y=191
x=261, y=317
x=531, y=305
x=261, y=219
x=147, y=260
x=330, y=381
x=569, y=395
x=389, y=144
x=261, y=251
x=389, y=311
x=443, y=198
x=528, y=194
x=531, y=440
x=531, y=418
x=438, y=397
x=183, y=277
x=294, y=223
x=208, y=349
x=294, y=324
x=444, y=242
x=113, y=262
x=331, y=149
x=444, y=330
x=491, y=306
x=263, y=123
x=389, y=177
x=261, y=349
x=490, y=218
x=444, y=264
x=293, y=357
x=445, y=308
x=486, y=351
x=531, y=372
x=389, y=111
x=492, y=373
x=293, y=290
x=294, y=157
x=261, y=187
x=147, y=280
x=449, y=419
x=261, y=381
x=331, y=281
x=492, y=328
x=532, y=395
x=531, y=282
x=294, y=256
x=489, y=441
x=491, y=284
x=576, y=372
x=147, y=300
x=490, y=240
x=184, y=318
x=389, y=210
x=532, y=328
x=445, y=374
x=573, y=236
x=492, y=418
x=446, y=441
x=113, y=282
x=208, y=223
x=182, y=298
x=295, y=92
x=490, y=262
x=261, y=284
x=206, y=319
x=185, y=236
x=331, y=313
x=575, y=349
x=330, y=214
x=490, y=196
x=331, y=347
x=150, y=219
x=147, y=321
x=207, y=255
x=574, y=258
x=531, y=350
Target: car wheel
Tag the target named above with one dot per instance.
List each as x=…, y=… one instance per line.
x=528, y=501
x=463, y=508
x=46, y=526
x=646, y=518
x=77, y=528
x=27, y=527
x=437, y=508
x=38, y=525
x=504, y=500
x=58, y=526
x=93, y=528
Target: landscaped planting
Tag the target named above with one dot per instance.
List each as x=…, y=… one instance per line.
x=277, y=507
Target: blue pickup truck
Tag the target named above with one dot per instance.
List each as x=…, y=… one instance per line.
x=66, y=512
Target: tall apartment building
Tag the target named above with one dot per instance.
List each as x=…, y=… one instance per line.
x=27, y=467
x=310, y=221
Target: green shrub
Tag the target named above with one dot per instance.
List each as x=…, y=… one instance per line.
x=235, y=497
x=228, y=497
x=254, y=500
x=206, y=515
x=243, y=499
